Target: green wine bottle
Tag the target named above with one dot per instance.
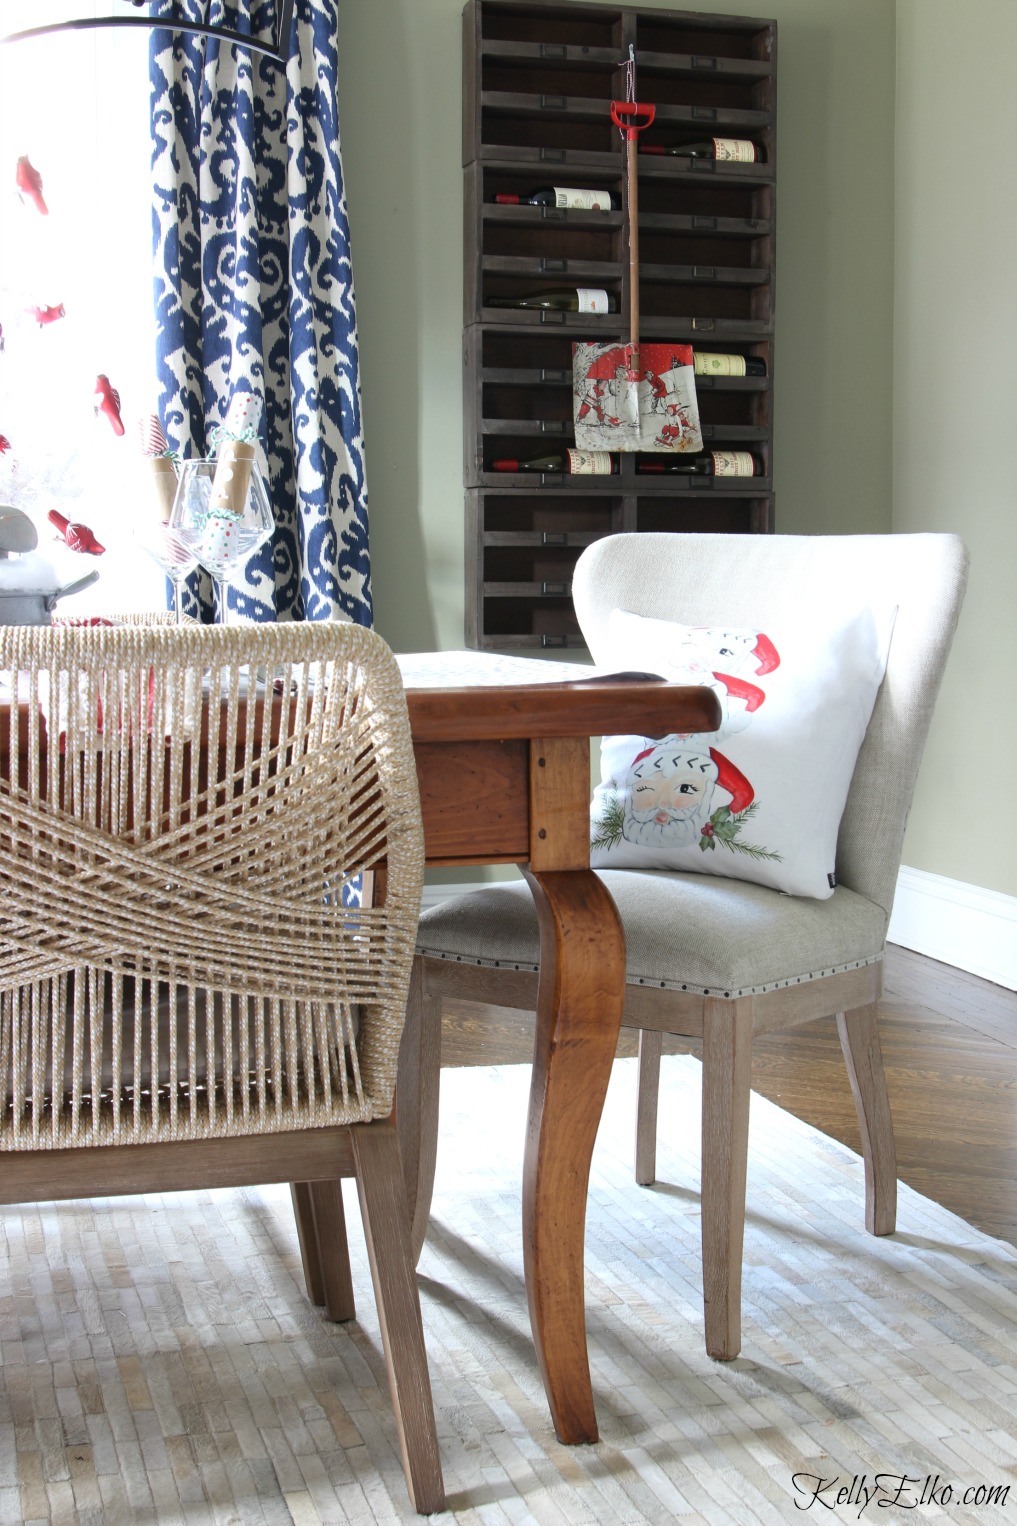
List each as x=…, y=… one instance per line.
x=711, y=363
x=569, y=299
x=576, y=462
x=713, y=463
x=569, y=197
x=723, y=150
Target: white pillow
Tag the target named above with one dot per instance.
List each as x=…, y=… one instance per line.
x=761, y=798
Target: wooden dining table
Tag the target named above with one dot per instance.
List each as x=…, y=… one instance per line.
x=502, y=748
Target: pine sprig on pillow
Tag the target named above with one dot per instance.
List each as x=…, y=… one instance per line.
x=607, y=832
x=724, y=827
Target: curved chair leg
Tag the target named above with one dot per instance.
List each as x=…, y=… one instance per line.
x=859, y=1039
x=382, y=1190
x=647, y=1092
x=417, y=1086
x=324, y=1251
x=727, y=1068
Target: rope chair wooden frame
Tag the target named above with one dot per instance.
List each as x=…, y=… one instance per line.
x=190, y=993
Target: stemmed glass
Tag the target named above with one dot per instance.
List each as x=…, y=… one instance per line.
x=221, y=515
x=163, y=545
x=152, y=531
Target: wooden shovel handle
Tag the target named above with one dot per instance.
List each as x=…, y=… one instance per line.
x=633, y=205
x=632, y=117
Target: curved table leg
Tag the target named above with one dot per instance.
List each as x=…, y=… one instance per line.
x=579, y=1007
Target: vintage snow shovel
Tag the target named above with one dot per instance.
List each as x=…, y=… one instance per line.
x=634, y=397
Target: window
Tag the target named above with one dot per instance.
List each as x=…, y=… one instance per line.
x=77, y=104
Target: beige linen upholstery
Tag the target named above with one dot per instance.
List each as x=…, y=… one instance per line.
x=718, y=959
x=683, y=932
x=189, y=994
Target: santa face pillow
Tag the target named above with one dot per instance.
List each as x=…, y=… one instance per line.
x=762, y=797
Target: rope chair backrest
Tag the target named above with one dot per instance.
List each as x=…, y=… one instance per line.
x=185, y=817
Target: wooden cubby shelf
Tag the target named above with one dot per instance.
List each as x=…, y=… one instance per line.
x=539, y=77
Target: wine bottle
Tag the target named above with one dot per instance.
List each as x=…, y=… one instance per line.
x=573, y=299
x=724, y=150
x=579, y=198
x=710, y=363
x=713, y=463
x=574, y=462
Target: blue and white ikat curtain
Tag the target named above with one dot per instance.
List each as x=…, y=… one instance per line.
x=254, y=292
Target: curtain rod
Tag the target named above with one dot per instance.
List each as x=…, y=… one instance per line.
x=277, y=49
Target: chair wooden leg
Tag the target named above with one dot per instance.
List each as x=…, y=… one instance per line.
x=727, y=1068
x=382, y=1189
x=417, y=1086
x=324, y=1251
x=859, y=1039
x=307, y=1237
x=647, y=1093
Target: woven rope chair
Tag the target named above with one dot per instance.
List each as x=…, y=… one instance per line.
x=186, y=997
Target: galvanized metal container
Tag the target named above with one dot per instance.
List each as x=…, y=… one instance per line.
x=25, y=606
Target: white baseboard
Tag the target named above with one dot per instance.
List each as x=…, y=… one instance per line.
x=961, y=925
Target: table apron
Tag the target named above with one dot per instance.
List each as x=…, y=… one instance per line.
x=474, y=798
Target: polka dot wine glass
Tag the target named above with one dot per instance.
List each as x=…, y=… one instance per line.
x=221, y=513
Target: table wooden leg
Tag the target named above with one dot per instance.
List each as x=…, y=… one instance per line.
x=579, y=1007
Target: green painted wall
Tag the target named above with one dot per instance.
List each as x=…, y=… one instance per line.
x=896, y=349
x=954, y=398
x=400, y=110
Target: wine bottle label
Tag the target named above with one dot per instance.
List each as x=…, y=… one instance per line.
x=583, y=201
x=733, y=463
x=592, y=462
x=734, y=150
x=592, y=299
x=718, y=365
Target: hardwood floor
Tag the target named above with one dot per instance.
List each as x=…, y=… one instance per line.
x=950, y=1050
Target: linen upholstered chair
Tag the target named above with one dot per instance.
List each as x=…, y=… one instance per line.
x=186, y=998
x=709, y=955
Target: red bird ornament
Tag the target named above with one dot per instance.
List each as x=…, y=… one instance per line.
x=29, y=184
x=78, y=537
x=108, y=402
x=44, y=315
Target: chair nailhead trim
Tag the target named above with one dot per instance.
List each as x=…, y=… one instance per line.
x=664, y=985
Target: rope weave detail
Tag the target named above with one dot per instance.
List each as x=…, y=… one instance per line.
x=181, y=955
